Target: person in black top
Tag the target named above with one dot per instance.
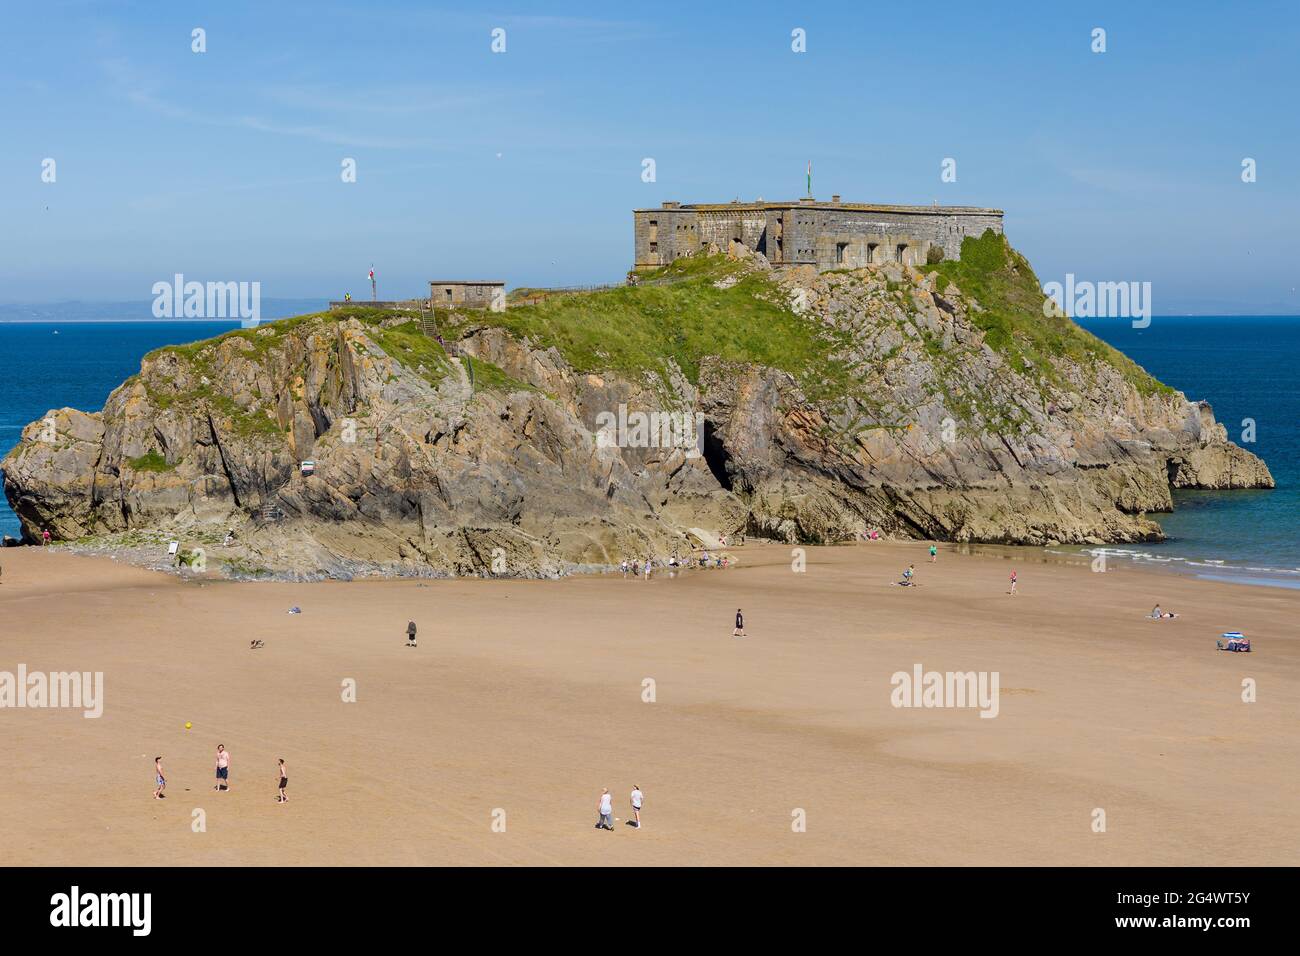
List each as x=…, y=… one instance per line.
x=410, y=634
x=740, y=625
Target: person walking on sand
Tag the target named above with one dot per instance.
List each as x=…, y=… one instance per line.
x=934, y=554
x=636, y=805
x=740, y=625
x=284, y=782
x=159, y=779
x=1012, y=592
x=223, y=769
x=410, y=634
x=45, y=536
x=606, y=810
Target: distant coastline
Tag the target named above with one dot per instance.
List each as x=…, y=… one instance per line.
x=85, y=312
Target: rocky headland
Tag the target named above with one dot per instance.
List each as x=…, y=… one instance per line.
x=937, y=402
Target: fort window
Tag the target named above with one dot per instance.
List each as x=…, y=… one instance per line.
x=654, y=247
x=898, y=253
x=871, y=251
x=839, y=251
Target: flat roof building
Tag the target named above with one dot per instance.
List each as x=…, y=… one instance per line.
x=825, y=235
x=467, y=293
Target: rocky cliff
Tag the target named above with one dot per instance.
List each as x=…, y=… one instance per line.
x=938, y=402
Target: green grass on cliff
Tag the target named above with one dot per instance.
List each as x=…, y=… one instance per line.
x=711, y=306
x=150, y=461
x=1001, y=280
x=635, y=330
x=409, y=345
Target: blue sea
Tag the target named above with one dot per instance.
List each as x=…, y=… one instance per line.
x=74, y=354
x=1245, y=367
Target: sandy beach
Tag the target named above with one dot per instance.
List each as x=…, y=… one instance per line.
x=525, y=698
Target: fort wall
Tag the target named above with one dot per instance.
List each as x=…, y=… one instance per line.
x=827, y=236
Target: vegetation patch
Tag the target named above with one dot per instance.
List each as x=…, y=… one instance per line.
x=1001, y=280
x=150, y=461
x=407, y=344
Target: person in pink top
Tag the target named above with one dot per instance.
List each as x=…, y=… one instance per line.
x=223, y=768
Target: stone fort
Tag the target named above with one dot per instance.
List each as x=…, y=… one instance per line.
x=825, y=235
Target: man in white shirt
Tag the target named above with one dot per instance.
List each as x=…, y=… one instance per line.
x=636, y=805
x=606, y=811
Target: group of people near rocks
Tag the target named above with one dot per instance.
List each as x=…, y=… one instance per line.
x=639, y=568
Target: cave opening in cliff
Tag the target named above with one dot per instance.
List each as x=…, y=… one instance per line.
x=716, y=455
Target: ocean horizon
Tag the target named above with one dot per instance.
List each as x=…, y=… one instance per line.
x=74, y=354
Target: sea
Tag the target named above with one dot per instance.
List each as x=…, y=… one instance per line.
x=75, y=353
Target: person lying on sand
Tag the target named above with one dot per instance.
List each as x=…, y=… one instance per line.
x=1157, y=614
x=256, y=645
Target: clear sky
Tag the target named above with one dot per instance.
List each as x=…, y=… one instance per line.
x=525, y=165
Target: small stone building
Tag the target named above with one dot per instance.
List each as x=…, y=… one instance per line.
x=465, y=294
x=826, y=235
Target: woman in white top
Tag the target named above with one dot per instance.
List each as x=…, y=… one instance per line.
x=636, y=805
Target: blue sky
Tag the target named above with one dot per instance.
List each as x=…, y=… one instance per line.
x=524, y=165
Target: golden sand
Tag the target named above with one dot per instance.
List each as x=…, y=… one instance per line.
x=524, y=698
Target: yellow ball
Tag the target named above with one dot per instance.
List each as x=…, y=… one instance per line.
x=188, y=725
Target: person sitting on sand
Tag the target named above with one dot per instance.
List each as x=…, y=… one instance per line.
x=1160, y=615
